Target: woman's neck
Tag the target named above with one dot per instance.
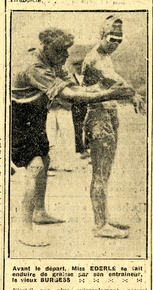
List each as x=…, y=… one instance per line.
x=100, y=49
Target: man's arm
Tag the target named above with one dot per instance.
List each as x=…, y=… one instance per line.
x=79, y=94
x=44, y=79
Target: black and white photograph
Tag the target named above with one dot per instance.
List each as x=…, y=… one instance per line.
x=78, y=134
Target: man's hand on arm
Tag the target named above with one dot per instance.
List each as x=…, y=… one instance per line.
x=79, y=94
x=122, y=92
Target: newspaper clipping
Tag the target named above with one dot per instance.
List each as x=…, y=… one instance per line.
x=75, y=145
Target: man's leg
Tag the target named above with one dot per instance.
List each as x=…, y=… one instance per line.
x=78, y=114
x=33, y=204
x=76, y=122
x=27, y=235
x=78, y=136
x=52, y=132
x=40, y=216
x=65, y=141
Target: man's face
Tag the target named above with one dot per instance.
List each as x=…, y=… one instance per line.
x=57, y=55
x=78, y=66
x=110, y=43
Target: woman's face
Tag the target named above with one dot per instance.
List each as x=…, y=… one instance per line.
x=110, y=44
x=56, y=55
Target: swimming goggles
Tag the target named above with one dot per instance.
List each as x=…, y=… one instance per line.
x=114, y=39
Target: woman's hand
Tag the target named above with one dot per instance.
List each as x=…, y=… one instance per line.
x=126, y=91
x=139, y=104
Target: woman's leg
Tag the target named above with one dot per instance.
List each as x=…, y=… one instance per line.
x=103, y=146
x=97, y=191
x=100, y=175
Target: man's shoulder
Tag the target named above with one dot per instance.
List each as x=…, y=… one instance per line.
x=28, y=60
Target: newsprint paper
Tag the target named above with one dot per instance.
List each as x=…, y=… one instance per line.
x=81, y=218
